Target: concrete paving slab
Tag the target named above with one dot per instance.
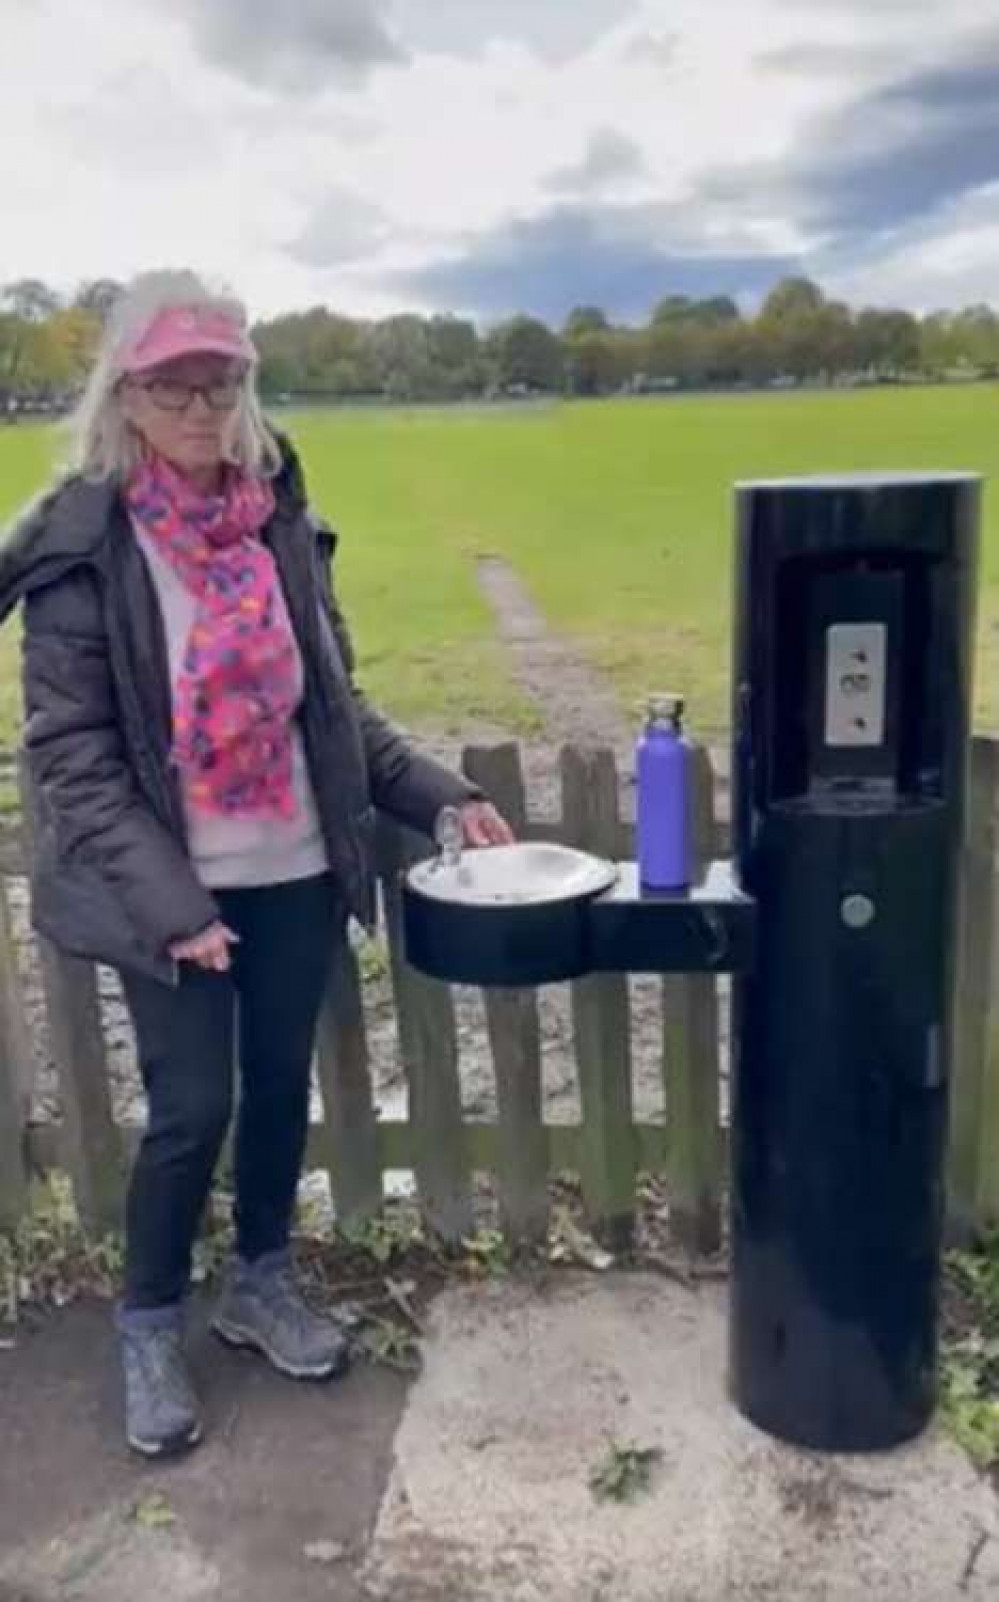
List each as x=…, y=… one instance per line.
x=524, y=1388
x=526, y=1383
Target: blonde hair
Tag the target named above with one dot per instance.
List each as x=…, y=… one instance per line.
x=103, y=443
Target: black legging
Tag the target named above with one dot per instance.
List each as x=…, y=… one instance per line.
x=186, y=1037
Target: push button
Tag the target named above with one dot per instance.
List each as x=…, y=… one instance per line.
x=857, y=911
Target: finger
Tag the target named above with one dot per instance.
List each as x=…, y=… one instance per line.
x=197, y=946
x=493, y=827
x=185, y=952
x=215, y=959
x=220, y=949
x=207, y=948
x=475, y=833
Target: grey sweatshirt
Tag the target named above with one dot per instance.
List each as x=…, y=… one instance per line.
x=230, y=853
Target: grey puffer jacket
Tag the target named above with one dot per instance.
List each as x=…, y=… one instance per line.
x=112, y=879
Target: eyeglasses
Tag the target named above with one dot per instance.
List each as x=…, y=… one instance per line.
x=170, y=396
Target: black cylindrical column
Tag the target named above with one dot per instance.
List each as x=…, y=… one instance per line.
x=853, y=649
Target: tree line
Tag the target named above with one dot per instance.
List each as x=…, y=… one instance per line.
x=48, y=340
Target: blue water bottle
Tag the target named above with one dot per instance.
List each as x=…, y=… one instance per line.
x=662, y=778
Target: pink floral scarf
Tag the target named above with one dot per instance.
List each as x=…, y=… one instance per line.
x=239, y=687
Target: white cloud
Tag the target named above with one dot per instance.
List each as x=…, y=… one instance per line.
x=353, y=151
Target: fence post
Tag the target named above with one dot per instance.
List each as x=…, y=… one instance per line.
x=13, y=1165
x=601, y=1018
x=16, y=1067
x=89, y=1142
x=973, y=1158
x=13, y=1022
x=690, y=1067
x=515, y=1037
x=350, y=1121
x=428, y=1045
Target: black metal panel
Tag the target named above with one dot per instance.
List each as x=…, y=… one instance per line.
x=841, y=1033
x=501, y=946
x=708, y=929
x=838, y=1128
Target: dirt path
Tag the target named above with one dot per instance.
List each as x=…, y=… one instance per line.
x=576, y=702
x=574, y=699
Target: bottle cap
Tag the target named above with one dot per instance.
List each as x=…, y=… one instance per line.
x=665, y=707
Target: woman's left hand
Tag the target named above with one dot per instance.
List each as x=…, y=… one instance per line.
x=482, y=825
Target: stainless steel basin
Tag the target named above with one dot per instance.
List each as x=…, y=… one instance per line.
x=523, y=875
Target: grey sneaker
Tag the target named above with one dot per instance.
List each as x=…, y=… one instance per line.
x=162, y=1416
x=260, y=1307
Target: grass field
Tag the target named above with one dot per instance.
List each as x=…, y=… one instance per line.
x=617, y=515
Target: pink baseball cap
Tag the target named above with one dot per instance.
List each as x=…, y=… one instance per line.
x=187, y=331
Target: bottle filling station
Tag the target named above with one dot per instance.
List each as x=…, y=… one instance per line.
x=852, y=671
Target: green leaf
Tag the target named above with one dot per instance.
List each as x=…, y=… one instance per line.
x=153, y=1512
x=624, y=1472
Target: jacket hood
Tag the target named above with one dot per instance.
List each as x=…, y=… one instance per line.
x=68, y=524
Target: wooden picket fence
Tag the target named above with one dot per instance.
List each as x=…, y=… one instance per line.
x=607, y=1148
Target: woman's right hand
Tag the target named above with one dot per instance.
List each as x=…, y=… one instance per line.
x=209, y=949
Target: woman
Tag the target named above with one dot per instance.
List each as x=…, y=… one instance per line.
x=205, y=774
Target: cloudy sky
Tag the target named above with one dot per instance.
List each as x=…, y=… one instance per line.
x=489, y=155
